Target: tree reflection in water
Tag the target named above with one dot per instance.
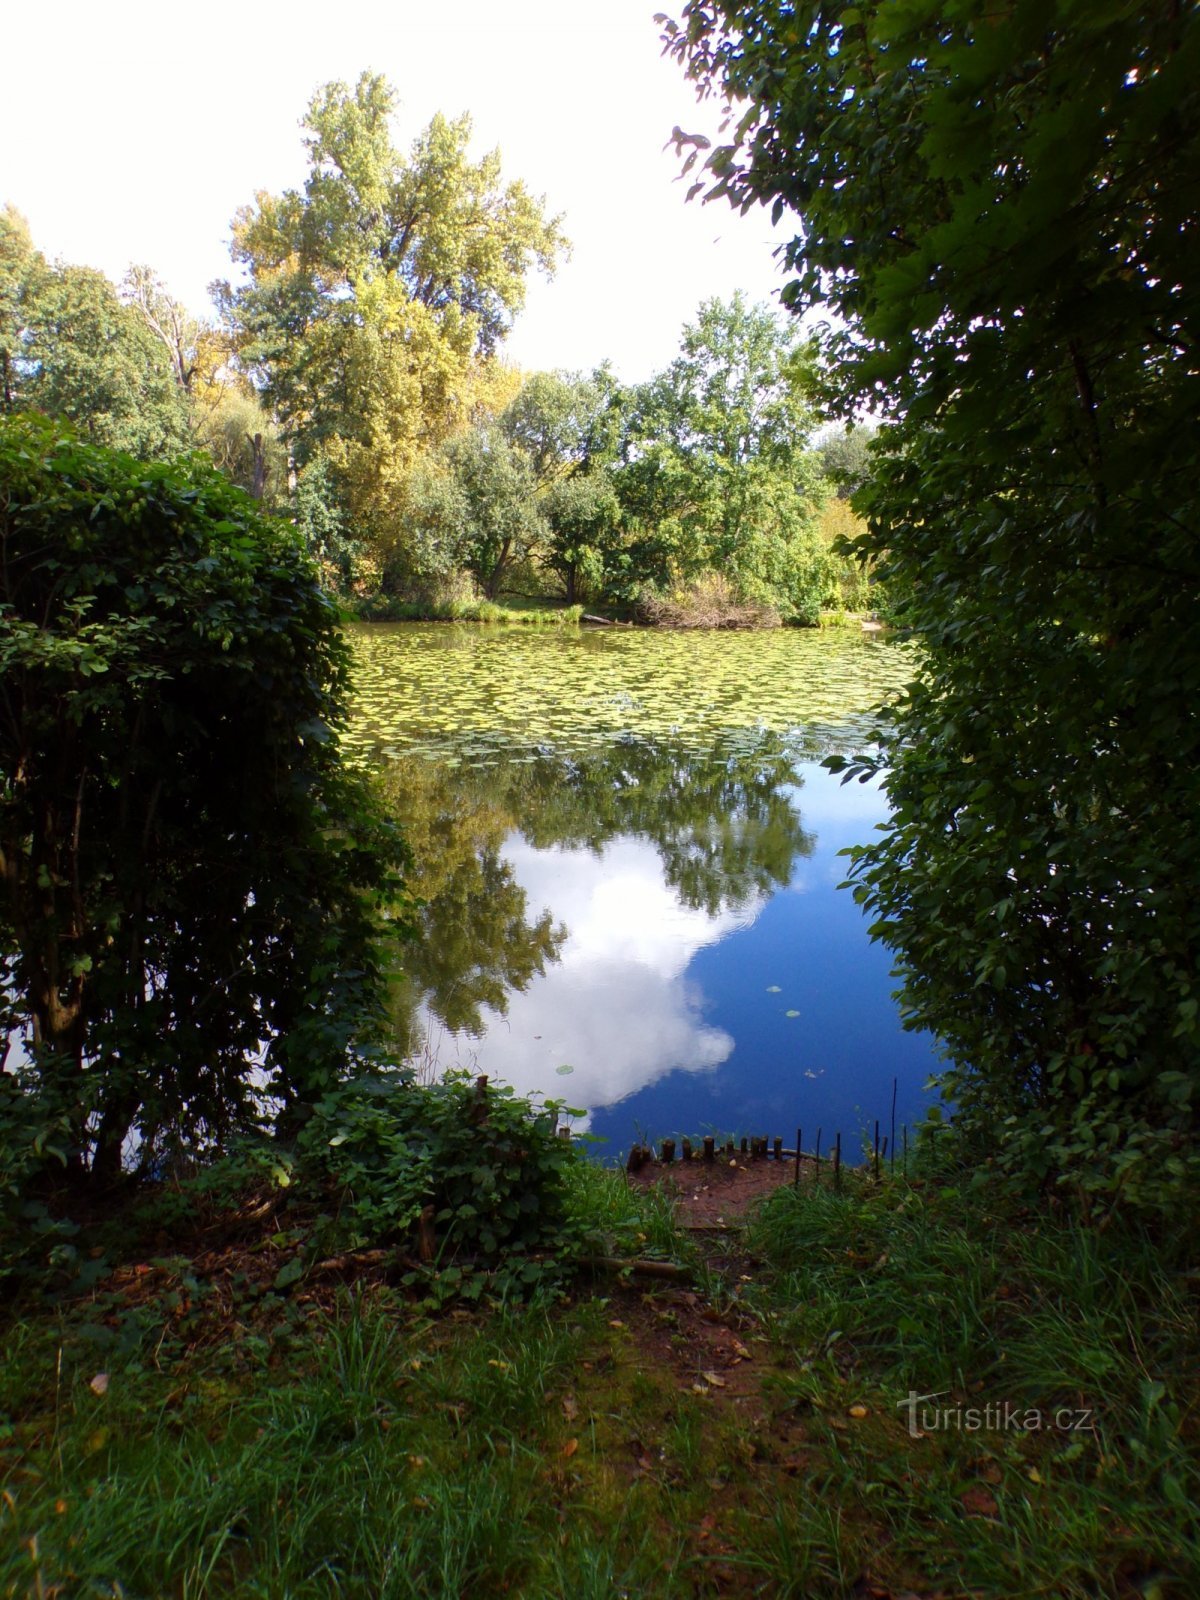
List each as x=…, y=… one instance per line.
x=723, y=823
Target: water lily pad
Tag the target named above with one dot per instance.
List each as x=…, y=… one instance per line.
x=791, y=1013
x=773, y=988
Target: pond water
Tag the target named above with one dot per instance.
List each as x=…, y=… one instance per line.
x=627, y=854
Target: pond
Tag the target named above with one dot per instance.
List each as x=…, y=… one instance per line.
x=627, y=854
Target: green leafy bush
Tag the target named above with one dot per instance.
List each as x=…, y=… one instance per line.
x=485, y=1165
x=191, y=871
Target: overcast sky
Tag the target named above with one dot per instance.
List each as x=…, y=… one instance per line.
x=131, y=131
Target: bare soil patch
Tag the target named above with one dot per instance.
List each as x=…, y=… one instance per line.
x=722, y=1192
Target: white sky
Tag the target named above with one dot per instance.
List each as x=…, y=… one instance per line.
x=131, y=130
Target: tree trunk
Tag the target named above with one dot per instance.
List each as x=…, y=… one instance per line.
x=258, y=467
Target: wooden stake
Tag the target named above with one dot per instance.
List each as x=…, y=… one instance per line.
x=817, y=1159
x=877, y=1147
x=668, y=1151
x=710, y=1148
x=799, y=1145
x=779, y=1149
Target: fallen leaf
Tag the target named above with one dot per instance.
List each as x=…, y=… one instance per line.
x=616, y=1323
x=1034, y=1475
x=979, y=1502
x=569, y=1449
x=715, y=1378
x=570, y=1407
x=859, y=1411
x=99, y=1384
x=740, y=1350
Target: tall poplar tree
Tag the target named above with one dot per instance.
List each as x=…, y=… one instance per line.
x=374, y=293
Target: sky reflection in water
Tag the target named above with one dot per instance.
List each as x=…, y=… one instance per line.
x=655, y=907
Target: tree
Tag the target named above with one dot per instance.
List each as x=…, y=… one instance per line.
x=22, y=271
x=846, y=457
x=225, y=415
x=376, y=293
x=583, y=541
x=501, y=523
x=568, y=427
x=71, y=349
x=1002, y=209
x=190, y=873
x=717, y=462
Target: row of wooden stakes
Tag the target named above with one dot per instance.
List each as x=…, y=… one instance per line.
x=759, y=1149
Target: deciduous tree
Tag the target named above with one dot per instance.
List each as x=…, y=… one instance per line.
x=1001, y=206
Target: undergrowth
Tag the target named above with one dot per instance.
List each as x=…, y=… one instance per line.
x=189, y=1424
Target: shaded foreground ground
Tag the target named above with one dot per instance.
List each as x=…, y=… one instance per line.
x=238, y=1418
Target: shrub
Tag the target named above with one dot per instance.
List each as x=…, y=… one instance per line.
x=485, y=1165
x=192, y=873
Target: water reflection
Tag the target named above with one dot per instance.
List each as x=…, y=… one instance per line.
x=628, y=868
x=633, y=856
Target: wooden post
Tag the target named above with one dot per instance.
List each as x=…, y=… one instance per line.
x=710, y=1148
x=745, y=1145
x=876, y=1147
x=799, y=1143
x=778, y=1149
x=817, y=1159
x=668, y=1152
x=837, y=1162
x=729, y=1149
x=686, y=1154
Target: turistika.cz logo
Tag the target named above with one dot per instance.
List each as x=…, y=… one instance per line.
x=995, y=1416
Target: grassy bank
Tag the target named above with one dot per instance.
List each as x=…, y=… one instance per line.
x=207, y=1423
x=533, y=615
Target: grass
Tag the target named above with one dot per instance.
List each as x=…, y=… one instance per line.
x=876, y=1293
x=346, y=1442
x=383, y=609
